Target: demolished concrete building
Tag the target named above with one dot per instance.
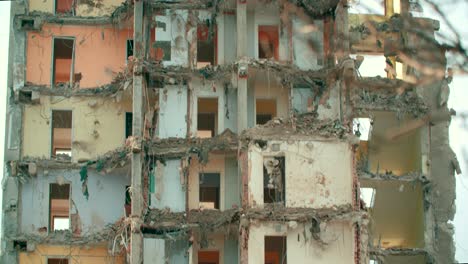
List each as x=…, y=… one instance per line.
x=234, y=131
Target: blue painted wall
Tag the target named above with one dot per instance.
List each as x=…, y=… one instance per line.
x=172, y=193
x=172, y=111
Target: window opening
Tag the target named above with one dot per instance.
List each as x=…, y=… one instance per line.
x=274, y=180
x=275, y=250
x=63, y=60
x=61, y=133
x=206, y=46
x=265, y=110
x=208, y=257
x=207, y=117
x=268, y=42
x=59, y=202
x=209, y=190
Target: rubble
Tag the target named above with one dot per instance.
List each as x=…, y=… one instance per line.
x=299, y=126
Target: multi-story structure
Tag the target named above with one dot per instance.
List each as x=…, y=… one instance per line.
x=222, y=132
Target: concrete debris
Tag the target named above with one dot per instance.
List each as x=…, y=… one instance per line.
x=301, y=125
x=380, y=94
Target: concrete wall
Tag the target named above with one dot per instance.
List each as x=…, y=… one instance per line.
x=324, y=180
x=405, y=260
x=301, y=98
x=100, y=53
x=106, y=117
x=76, y=255
x=153, y=250
x=301, y=245
x=172, y=112
x=105, y=204
x=230, y=114
x=398, y=214
x=399, y=156
x=308, y=45
x=232, y=183
x=175, y=32
x=169, y=191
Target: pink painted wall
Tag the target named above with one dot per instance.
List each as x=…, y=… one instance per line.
x=100, y=53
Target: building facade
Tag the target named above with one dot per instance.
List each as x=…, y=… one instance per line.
x=236, y=131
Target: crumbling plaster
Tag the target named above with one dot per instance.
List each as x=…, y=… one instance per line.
x=170, y=187
x=104, y=206
x=85, y=8
x=98, y=126
x=325, y=178
x=99, y=53
x=173, y=111
x=76, y=255
x=301, y=245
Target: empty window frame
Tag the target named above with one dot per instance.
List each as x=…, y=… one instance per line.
x=128, y=201
x=275, y=250
x=209, y=190
x=63, y=60
x=265, y=110
x=207, y=118
x=129, y=48
x=59, y=206
x=274, y=180
x=128, y=124
x=61, y=133
x=64, y=7
x=57, y=261
x=206, y=45
x=268, y=42
x=208, y=257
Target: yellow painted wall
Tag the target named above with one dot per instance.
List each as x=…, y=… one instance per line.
x=215, y=165
x=267, y=87
x=215, y=243
x=400, y=156
x=76, y=255
x=107, y=118
x=105, y=7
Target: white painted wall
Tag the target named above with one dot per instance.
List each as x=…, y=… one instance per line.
x=323, y=180
x=172, y=111
x=301, y=246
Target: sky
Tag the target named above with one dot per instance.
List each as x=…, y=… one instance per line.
x=458, y=129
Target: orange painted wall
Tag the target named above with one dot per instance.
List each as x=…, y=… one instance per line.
x=100, y=52
x=76, y=255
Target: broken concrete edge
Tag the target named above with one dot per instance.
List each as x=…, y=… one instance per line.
x=300, y=127
x=39, y=18
x=102, y=91
x=106, y=162
x=381, y=94
x=287, y=72
x=316, y=9
x=382, y=252
x=164, y=219
x=395, y=23
x=408, y=177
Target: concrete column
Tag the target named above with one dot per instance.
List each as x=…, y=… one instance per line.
x=243, y=69
x=136, y=240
